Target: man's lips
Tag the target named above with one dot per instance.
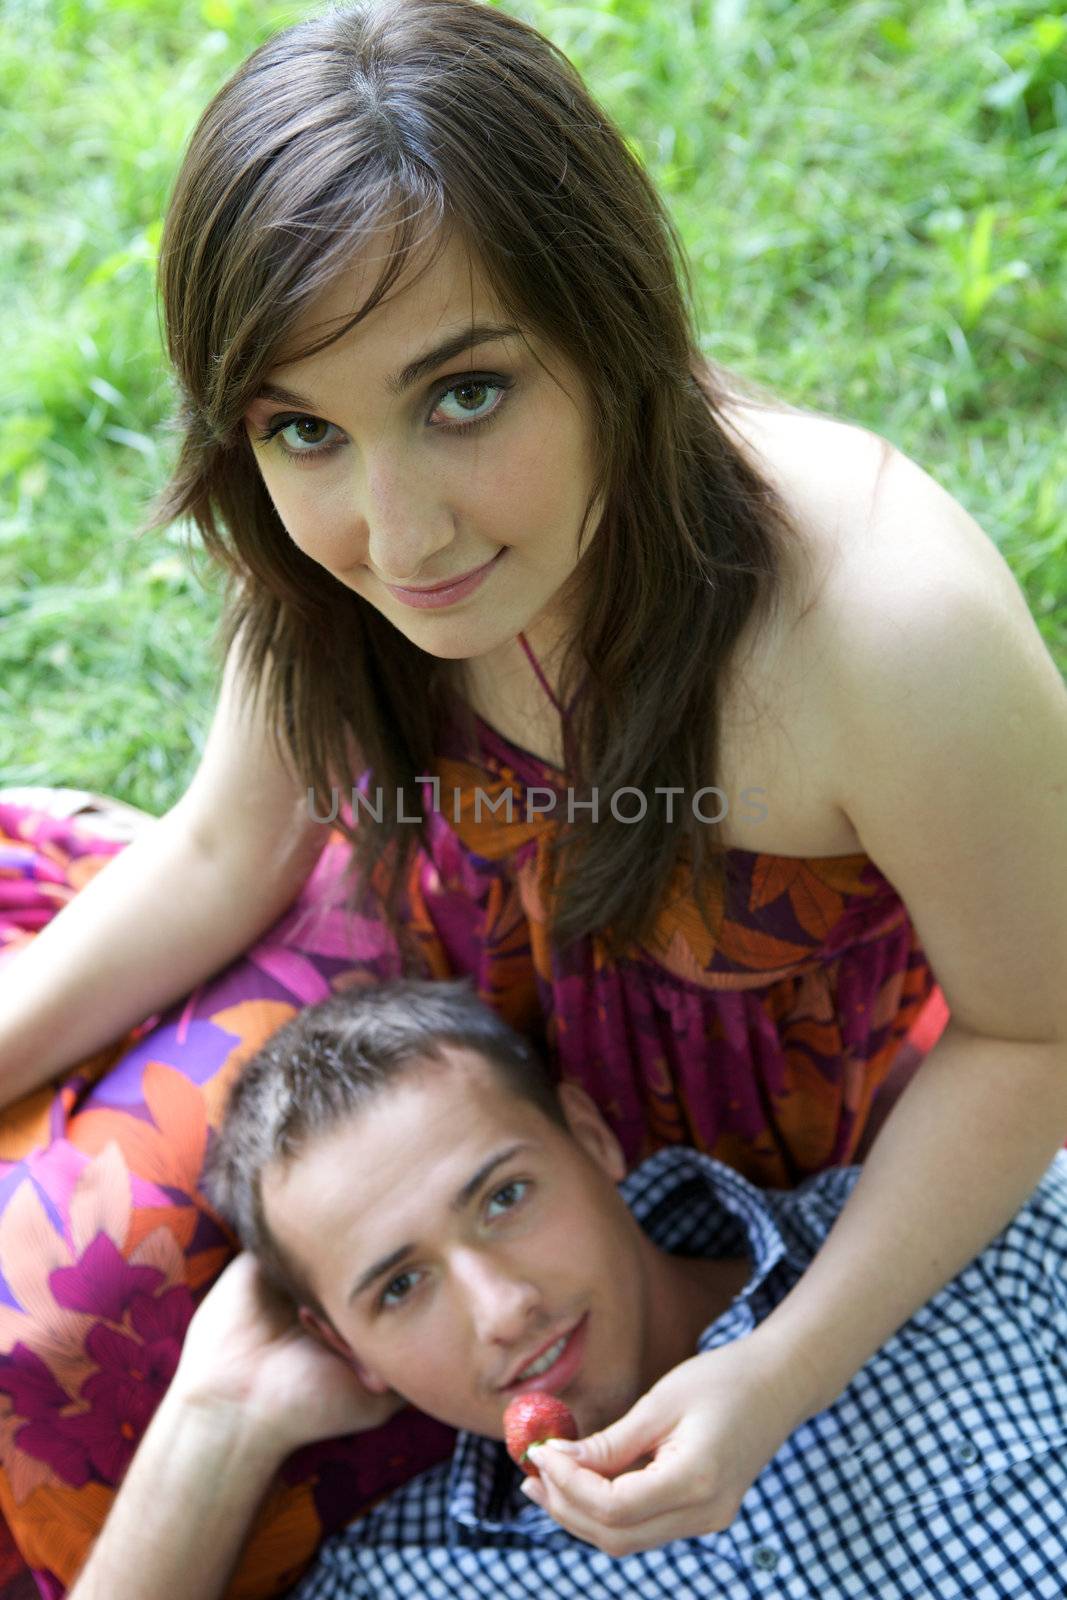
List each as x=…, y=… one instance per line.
x=563, y=1332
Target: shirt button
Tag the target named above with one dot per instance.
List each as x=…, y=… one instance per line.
x=965, y=1454
x=765, y=1557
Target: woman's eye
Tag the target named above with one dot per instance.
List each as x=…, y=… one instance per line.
x=396, y=1284
x=470, y=395
x=306, y=438
x=513, y=1193
x=299, y=428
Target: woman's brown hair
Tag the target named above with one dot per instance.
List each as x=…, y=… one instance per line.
x=440, y=117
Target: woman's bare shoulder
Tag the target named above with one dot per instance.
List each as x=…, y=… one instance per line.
x=825, y=474
x=874, y=528
x=823, y=470
x=882, y=553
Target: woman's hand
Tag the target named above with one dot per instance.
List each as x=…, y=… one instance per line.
x=246, y=1354
x=709, y=1426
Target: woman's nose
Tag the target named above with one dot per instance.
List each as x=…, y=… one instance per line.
x=407, y=525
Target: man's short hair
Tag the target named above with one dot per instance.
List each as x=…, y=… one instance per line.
x=327, y=1063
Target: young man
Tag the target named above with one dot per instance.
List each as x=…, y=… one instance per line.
x=456, y=1230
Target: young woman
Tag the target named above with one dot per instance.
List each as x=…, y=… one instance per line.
x=726, y=730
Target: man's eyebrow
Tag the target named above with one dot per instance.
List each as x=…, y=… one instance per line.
x=463, y=1198
x=454, y=344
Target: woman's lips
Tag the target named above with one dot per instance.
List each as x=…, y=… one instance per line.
x=448, y=594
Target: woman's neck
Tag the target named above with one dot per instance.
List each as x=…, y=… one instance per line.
x=507, y=682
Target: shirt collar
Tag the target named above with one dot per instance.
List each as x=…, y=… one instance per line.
x=689, y=1204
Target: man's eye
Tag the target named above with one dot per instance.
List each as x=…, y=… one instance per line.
x=513, y=1193
x=401, y=1279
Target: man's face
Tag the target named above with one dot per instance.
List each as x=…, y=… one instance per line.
x=496, y=1232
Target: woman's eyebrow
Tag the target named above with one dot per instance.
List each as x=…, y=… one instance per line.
x=453, y=344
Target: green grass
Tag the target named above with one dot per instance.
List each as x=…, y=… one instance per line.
x=871, y=195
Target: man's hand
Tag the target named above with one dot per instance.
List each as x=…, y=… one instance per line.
x=710, y=1426
x=245, y=1353
x=251, y=1387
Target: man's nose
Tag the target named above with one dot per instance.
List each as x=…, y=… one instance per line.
x=501, y=1301
x=407, y=524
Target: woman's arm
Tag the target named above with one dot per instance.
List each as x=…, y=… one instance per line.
x=960, y=1153
x=953, y=771
x=952, y=767
x=190, y=892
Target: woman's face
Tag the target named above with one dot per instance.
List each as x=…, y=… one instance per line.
x=397, y=483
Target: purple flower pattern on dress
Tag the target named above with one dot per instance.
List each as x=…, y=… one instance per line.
x=761, y=1042
x=101, y=1281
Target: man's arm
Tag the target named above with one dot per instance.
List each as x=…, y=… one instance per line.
x=251, y=1387
x=185, y=1507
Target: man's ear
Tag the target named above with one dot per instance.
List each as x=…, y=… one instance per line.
x=322, y=1330
x=588, y=1127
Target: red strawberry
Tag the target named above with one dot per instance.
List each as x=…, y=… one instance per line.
x=531, y=1419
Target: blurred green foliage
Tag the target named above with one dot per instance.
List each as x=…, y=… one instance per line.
x=871, y=195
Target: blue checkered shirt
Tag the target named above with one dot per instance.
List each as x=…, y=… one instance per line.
x=940, y=1471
